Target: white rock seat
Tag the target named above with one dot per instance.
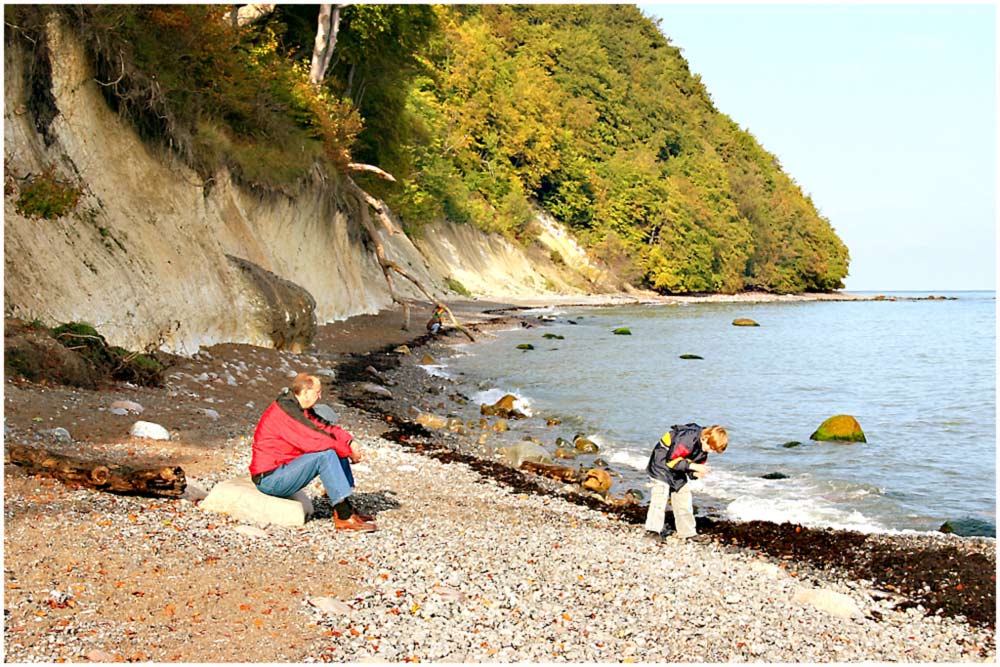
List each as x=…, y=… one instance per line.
x=240, y=499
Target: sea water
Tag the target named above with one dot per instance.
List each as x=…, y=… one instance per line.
x=919, y=375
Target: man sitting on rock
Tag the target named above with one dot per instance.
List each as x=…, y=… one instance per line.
x=293, y=444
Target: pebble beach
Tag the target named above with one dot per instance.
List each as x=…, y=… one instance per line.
x=464, y=567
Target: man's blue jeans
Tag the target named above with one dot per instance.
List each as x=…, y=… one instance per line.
x=333, y=471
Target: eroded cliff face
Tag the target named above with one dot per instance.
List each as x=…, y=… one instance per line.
x=150, y=255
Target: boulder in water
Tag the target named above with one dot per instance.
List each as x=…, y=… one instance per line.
x=523, y=451
x=597, y=480
x=691, y=356
x=431, y=421
x=744, y=322
x=774, y=475
x=584, y=445
x=969, y=527
x=502, y=408
x=622, y=331
x=839, y=428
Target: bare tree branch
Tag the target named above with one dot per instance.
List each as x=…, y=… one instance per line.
x=357, y=166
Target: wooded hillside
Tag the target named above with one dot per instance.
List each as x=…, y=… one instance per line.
x=481, y=113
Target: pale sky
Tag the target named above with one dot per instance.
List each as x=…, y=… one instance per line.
x=886, y=115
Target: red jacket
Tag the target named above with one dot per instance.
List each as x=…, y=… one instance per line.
x=281, y=437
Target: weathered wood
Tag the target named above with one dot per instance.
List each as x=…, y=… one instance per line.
x=168, y=481
x=386, y=264
x=562, y=473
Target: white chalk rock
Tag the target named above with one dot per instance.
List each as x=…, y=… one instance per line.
x=142, y=429
x=130, y=406
x=376, y=389
x=833, y=603
x=331, y=605
x=240, y=499
x=193, y=491
x=59, y=433
x=251, y=531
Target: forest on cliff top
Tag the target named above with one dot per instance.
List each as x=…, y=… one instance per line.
x=482, y=113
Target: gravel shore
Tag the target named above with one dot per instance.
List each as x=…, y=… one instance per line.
x=466, y=566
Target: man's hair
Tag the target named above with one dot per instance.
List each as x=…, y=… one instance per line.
x=716, y=438
x=302, y=382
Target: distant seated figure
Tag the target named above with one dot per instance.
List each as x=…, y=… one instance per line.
x=434, y=324
x=292, y=445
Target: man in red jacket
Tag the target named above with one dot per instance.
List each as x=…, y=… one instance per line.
x=292, y=445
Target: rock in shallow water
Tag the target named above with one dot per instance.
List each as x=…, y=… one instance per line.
x=839, y=428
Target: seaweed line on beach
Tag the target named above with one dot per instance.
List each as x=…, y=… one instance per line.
x=940, y=578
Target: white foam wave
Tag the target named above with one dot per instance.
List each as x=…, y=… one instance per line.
x=436, y=370
x=630, y=459
x=811, y=514
x=795, y=500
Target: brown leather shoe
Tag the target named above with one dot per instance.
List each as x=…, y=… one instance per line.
x=354, y=523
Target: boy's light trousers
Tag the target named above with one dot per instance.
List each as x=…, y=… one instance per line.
x=680, y=501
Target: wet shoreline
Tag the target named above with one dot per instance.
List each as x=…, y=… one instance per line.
x=940, y=574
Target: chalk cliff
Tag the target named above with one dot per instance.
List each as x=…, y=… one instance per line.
x=152, y=255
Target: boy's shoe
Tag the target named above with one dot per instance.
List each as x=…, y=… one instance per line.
x=653, y=536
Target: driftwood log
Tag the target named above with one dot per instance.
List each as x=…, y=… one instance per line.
x=562, y=473
x=99, y=475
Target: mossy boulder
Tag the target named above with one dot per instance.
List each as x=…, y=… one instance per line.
x=30, y=352
x=622, y=331
x=582, y=444
x=691, y=356
x=116, y=362
x=969, y=527
x=791, y=443
x=552, y=336
x=526, y=346
x=744, y=322
x=839, y=428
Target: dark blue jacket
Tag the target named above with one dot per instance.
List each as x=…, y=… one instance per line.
x=671, y=464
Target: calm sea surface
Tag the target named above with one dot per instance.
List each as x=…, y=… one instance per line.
x=919, y=375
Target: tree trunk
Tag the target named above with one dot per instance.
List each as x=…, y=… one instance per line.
x=327, y=27
x=387, y=266
x=169, y=481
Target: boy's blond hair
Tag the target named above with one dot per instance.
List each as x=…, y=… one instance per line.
x=715, y=437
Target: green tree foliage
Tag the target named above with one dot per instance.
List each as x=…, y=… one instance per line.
x=483, y=113
x=589, y=112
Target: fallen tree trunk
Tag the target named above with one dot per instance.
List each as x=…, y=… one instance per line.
x=387, y=266
x=562, y=473
x=169, y=481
